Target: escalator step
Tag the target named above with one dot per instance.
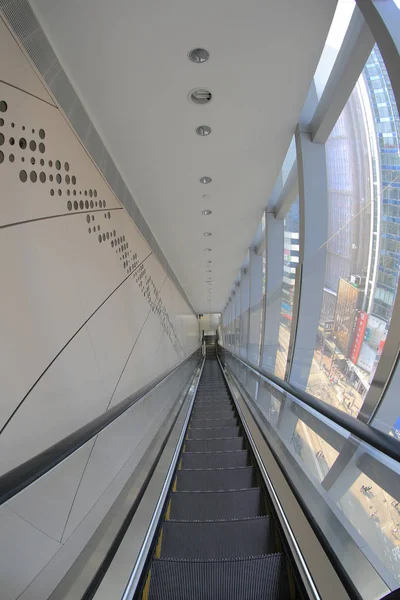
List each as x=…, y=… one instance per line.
x=208, y=506
x=199, y=423
x=216, y=479
x=255, y=578
x=215, y=445
x=213, y=408
x=214, y=460
x=214, y=414
x=217, y=539
x=222, y=432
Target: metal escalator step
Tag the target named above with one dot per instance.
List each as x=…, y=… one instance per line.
x=199, y=423
x=209, y=506
x=207, y=408
x=214, y=460
x=254, y=578
x=216, y=479
x=212, y=395
x=217, y=414
x=218, y=539
x=216, y=432
x=215, y=445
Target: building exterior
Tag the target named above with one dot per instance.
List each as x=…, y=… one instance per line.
x=386, y=243
x=348, y=304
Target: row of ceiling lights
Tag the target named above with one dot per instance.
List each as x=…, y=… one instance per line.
x=203, y=96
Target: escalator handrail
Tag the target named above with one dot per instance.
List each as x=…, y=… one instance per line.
x=378, y=440
x=20, y=477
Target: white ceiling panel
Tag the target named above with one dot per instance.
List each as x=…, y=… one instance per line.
x=128, y=62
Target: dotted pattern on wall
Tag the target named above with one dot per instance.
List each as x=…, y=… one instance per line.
x=27, y=151
x=27, y=29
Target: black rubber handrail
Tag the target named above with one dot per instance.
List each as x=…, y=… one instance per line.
x=378, y=440
x=20, y=477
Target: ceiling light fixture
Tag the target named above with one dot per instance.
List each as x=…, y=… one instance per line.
x=205, y=180
x=208, y=262
x=200, y=96
x=207, y=249
x=199, y=55
x=203, y=130
x=207, y=233
x=206, y=212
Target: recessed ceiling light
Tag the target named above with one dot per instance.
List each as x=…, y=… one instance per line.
x=199, y=55
x=200, y=96
x=203, y=130
x=205, y=180
x=208, y=262
x=206, y=212
x=207, y=233
x=207, y=249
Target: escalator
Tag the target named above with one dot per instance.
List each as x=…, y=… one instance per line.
x=219, y=538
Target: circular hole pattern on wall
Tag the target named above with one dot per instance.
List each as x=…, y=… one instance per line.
x=23, y=175
x=58, y=178
x=66, y=166
x=12, y=141
x=1, y=139
x=51, y=192
x=58, y=164
x=11, y=157
x=1, y=122
x=32, y=145
x=42, y=134
x=42, y=147
x=33, y=176
x=3, y=106
x=22, y=143
x=69, y=205
x=42, y=177
x=1, y=156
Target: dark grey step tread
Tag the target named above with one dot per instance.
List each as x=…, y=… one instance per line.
x=216, y=432
x=253, y=578
x=210, y=403
x=217, y=539
x=218, y=444
x=217, y=505
x=199, y=423
x=214, y=414
x=211, y=410
x=212, y=460
x=216, y=479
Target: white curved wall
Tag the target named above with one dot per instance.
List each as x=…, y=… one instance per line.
x=84, y=323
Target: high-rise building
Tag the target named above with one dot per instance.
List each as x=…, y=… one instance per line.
x=386, y=226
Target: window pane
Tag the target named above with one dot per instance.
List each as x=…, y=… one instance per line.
x=257, y=293
x=244, y=322
x=363, y=242
x=291, y=260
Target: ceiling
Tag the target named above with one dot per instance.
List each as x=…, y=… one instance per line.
x=128, y=61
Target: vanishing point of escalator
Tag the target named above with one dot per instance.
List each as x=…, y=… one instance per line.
x=218, y=540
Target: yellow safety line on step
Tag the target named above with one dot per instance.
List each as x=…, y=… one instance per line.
x=174, y=486
x=180, y=465
x=146, y=589
x=292, y=587
x=168, y=513
x=158, y=548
